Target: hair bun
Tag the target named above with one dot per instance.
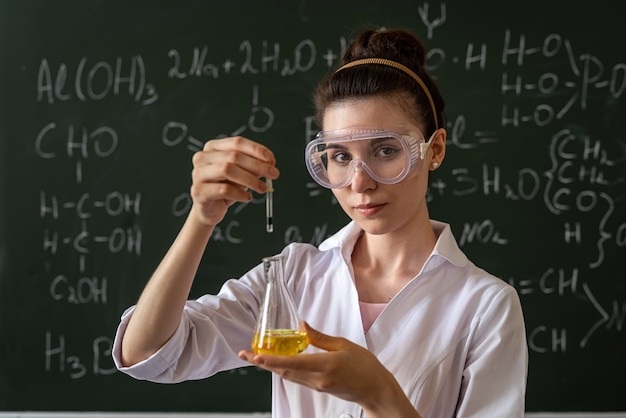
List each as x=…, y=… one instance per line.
x=396, y=45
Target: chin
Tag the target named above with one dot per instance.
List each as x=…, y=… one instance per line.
x=373, y=226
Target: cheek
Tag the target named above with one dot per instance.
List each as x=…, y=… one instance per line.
x=412, y=191
x=417, y=179
x=421, y=169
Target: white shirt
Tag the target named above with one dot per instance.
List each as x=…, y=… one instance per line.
x=453, y=337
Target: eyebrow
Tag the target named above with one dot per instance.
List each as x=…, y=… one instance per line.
x=374, y=141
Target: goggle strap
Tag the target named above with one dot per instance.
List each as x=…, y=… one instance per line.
x=424, y=145
x=423, y=149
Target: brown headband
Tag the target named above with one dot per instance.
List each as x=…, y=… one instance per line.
x=398, y=66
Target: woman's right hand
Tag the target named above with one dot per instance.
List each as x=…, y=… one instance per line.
x=224, y=171
x=222, y=174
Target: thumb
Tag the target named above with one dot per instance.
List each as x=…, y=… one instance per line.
x=321, y=340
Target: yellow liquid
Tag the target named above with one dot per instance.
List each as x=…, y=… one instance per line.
x=280, y=342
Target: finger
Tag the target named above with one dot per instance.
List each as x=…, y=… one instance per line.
x=206, y=193
x=236, y=169
x=275, y=364
x=228, y=179
x=244, y=145
x=234, y=166
x=306, y=369
x=248, y=162
x=246, y=355
x=321, y=340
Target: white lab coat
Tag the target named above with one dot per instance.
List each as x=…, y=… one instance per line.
x=453, y=337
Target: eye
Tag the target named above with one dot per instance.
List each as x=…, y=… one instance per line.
x=340, y=157
x=387, y=151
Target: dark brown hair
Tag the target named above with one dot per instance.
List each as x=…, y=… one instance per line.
x=370, y=80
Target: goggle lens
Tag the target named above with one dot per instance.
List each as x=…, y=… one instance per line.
x=387, y=157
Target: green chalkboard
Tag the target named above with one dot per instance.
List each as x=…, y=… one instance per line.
x=102, y=104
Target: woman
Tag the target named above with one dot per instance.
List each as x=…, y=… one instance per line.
x=401, y=322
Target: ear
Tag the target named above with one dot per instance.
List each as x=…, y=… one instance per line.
x=438, y=149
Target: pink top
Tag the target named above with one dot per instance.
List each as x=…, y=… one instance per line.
x=369, y=313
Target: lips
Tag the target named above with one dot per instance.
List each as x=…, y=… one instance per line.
x=369, y=209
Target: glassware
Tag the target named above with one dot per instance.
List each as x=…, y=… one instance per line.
x=278, y=330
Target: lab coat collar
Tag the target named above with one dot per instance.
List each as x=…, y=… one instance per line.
x=446, y=247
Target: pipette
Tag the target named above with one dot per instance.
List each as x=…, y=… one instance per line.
x=269, y=206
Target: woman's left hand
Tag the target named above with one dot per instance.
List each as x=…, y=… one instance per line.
x=345, y=370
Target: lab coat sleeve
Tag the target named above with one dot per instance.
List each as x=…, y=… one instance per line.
x=494, y=378
x=212, y=330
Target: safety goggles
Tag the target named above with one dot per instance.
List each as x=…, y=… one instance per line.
x=387, y=157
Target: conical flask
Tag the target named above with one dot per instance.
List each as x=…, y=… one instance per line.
x=278, y=330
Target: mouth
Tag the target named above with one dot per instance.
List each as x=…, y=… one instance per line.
x=369, y=209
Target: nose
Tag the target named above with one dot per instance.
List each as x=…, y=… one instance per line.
x=361, y=181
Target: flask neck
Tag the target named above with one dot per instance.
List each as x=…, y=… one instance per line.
x=273, y=269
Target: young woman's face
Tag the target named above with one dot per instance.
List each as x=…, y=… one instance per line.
x=380, y=208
